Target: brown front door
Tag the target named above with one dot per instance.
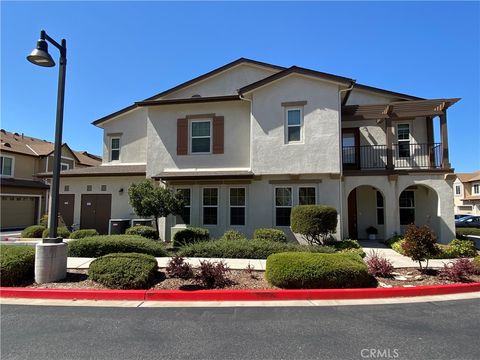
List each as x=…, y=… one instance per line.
x=352, y=215
x=351, y=148
x=95, y=212
x=65, y=208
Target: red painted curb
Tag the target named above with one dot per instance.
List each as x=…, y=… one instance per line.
x=235, y=295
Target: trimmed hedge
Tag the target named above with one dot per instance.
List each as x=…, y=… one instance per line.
x=190, y=235
x=317, y=271
x=246, y=249
x=463, y=232
x=34, y=231
x=17, y=264
x=314, y=222
x=455, y=249
x=270, y=234
x=148, y=232
x=83, y=233
x=124, y=271
x=344, y=244
x=233, y=235
x=97, y=246
x=61, y=232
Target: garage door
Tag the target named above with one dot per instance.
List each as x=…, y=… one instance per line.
x=18, y=211
x=95, y=212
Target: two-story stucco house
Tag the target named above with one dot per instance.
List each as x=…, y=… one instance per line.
x=466, y=192
x=248, y=141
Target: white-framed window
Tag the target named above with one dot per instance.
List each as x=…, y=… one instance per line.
x=293, y=125
x=380, y=209
x=184, y=216
x=201, y=136
x=114, y=148
x=6, y=165
x=476, y=188
x=306, y=195
x=407, y=207
x=458, y=190
x=237, y=205
x=283, y=205
x=210, y=206
x=64, y=166
x=403, y=140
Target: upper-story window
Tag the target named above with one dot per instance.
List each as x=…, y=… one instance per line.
x=294, y=122
x=114, y=148
x=403, y=139
x=201, y=136
x=6, y=165
x=64, y=166
x=476, y=188
x=458, y=190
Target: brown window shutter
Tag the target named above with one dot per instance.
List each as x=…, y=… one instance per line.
x=218, y=134
x=182, y=137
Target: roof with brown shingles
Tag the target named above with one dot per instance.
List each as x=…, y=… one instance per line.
x=468, y=177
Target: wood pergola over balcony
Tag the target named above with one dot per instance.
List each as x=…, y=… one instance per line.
x=437, y=154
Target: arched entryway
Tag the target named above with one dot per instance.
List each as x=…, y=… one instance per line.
x=366, y=208
x=418, y=204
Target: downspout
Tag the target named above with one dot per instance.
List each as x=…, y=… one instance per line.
x=340, y=153
x=251, y=125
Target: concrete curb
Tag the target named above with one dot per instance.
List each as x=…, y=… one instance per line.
x=236, y=295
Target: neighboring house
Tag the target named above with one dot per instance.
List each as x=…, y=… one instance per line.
x=23, y=194
x=466, y=191
x=248, y=141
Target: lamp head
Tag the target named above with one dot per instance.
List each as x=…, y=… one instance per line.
x=40, y=56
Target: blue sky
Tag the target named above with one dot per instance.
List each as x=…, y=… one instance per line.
x=121, y=52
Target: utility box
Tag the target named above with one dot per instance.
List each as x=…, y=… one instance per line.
x=118, y=226
x=142, y=222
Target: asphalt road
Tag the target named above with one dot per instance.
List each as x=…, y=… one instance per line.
x=435, y=330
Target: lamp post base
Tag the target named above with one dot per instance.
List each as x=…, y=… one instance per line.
x=50, y=262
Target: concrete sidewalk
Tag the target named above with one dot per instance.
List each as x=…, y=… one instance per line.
x=398, y=260
x=233, y=264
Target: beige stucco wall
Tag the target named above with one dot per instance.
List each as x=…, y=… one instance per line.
x=162, y=137
x=132, y=130
x=319, y=150
x=23, y=165
x=225, y=83
x=362, y=97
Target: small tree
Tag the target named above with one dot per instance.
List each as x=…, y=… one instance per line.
x=315, y=222
x=420, y=244
x=149, y=199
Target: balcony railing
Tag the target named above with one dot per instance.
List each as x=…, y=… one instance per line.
x=404, y=156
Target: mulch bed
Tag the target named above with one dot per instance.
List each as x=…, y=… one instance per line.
x=240, y=279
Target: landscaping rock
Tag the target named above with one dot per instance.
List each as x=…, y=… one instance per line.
x=400, y=278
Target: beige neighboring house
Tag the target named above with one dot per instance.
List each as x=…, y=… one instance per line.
x=248, y=141
x=466, y=191
x=23, y=194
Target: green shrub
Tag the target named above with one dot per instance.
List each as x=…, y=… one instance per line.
x=97, y=246
x=420, y=244
x=314, y=222
x=270, y=234
x=476, y=264
x=233, y=235
x=44, y=221
x=34, y=231
x=83, y=233
x=358, y=252
x=61, y=232
x=17, y=264
x=190, y=235
x=144, y=231
x=317, y=271
x=246, y=249
x=461, y=248
x=343, y=244
x=463, y=232
x=394, y=239
x=398, y=246
x=124, y=271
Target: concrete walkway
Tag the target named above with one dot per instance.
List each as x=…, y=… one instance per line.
x=398, y=260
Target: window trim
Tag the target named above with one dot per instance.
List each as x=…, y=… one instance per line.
x=459, y=187
x=210, y=206
x=405, y=207
x=111, y=149
x=12, y=172
x=287, y=126
x=189, y=206
x=190, y=136
x=237, y=206
x=473, y=188
x=275, y=203
x=66, y=164
x=307, y=187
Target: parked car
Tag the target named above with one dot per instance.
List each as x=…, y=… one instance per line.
x=460, y=216
x=468, y=221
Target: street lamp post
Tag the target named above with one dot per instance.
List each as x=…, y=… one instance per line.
x=51, y=254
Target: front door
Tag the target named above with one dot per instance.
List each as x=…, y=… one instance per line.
x=352, y=215
x=95, y=212
x=65, y=208
x=350, y=148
